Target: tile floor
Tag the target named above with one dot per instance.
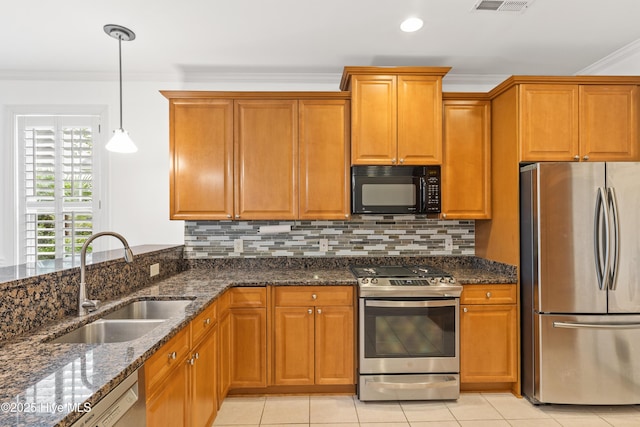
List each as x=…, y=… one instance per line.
x=471, y=410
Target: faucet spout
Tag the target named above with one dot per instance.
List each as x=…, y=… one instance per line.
x=85, y=305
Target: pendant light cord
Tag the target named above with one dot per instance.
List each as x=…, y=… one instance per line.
x=120, y=73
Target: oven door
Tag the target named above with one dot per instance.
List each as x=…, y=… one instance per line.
x=409, y=335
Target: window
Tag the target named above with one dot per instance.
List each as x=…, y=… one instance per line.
x=57, y=186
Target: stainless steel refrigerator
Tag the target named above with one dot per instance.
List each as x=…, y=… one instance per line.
x=580, y=282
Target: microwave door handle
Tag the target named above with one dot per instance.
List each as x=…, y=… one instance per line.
x=423, y=194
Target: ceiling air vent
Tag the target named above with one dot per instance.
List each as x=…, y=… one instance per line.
x=503, y=5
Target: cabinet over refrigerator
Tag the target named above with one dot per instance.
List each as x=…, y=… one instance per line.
x=580, y=281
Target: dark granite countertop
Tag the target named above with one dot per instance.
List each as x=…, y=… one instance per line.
x=35, y=374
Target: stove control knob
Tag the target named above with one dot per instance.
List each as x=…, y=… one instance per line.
x=433, y=280
x=374, y=280
x=365, y=281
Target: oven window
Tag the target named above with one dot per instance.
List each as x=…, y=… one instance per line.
x=389, y=195
x=400, y=332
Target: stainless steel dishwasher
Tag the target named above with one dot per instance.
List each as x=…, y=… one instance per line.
x=124, y=406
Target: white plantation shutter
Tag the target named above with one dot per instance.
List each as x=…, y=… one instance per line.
x=58, y=195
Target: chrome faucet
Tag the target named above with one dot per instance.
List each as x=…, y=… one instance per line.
x=86, y=306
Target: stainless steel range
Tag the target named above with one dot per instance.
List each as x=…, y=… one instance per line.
x=408, y=345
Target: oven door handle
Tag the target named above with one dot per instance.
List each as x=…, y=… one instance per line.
x=424, y=303
x=412, y=386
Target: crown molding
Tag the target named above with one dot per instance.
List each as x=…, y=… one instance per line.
x=603, y=65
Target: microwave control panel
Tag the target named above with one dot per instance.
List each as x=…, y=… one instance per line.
x=432, y=190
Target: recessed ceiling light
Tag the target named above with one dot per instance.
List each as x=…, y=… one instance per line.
x=410, y=25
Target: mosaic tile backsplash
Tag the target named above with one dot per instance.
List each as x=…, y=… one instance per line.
x=379, y=235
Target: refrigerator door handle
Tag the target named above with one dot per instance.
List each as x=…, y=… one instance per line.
x=602, y=272
x=613, y=206
x=575, y=325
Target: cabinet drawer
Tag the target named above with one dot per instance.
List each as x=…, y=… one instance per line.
x=248, y=297
x=170, y=355
x=297, y=296
x=203, y=323
x=488, y=294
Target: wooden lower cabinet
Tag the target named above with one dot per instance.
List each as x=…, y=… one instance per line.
x=248, y=347
x=180, y=378
x=314, y=343
x=488, y=335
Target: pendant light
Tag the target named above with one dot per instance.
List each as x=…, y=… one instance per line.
x=120, y=141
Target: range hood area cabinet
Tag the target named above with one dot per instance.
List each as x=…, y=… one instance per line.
x=396, y=114
x=587, y=121
x=258, y=155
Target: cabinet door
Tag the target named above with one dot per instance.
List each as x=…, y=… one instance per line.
x=324, y=159
x=466, y=172
x=549, y=122
x=488, y=343
x=248, y=347
x=266, y=159
x=201, y=159
x=168, y=406
x=419, y=120
x=374, y=120
x=294, y=346
x=334, y=345
x=224, y=361
x=204, y=403
x=609, y=123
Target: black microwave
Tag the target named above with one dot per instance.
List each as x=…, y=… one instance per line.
x=395, y=189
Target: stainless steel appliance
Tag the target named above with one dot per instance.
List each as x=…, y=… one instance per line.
x=580, y=282
x=408, y=333
x=124, y=406
x=395, y=189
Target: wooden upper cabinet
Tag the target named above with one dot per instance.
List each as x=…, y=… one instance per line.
x=548, y=122
x=609, y=123
x=201, y=159
x=578, y=122
x=374, y=120
x=266, y=159
x=466, y=169
x=324, y=159
x=419, y=120
x=396, y=114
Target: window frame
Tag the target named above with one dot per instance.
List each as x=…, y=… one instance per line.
x=11, y=179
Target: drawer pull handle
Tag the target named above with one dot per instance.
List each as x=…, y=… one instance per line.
x=488, y=294
x=173, y=355
x=314, y=297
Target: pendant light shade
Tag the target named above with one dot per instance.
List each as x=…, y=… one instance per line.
x=120, y=142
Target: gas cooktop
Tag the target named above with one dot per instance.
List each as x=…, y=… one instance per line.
x=404, y=280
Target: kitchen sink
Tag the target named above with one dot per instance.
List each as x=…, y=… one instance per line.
x=150, y=309
x=109, y=331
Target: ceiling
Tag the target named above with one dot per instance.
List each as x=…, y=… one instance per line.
x=190, y=39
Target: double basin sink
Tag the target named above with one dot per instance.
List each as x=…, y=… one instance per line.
x=126, y=323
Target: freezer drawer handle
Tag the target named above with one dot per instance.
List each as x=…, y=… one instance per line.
x=449, y=381
x=571, y=325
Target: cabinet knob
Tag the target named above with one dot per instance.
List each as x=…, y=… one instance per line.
x=228, y=215
x=173, y=355
x=207, y=321
x=444, y=215
x=196, y=355
x=576, y=157
x=346, y=215
x=237, y=216
x=393, y=161
x=585, y=157
x=319, y=311
x=488, y=294
x=401, y=160
x=314, y=297
x=465, y=309
x=191, y=361
x=310, y=311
